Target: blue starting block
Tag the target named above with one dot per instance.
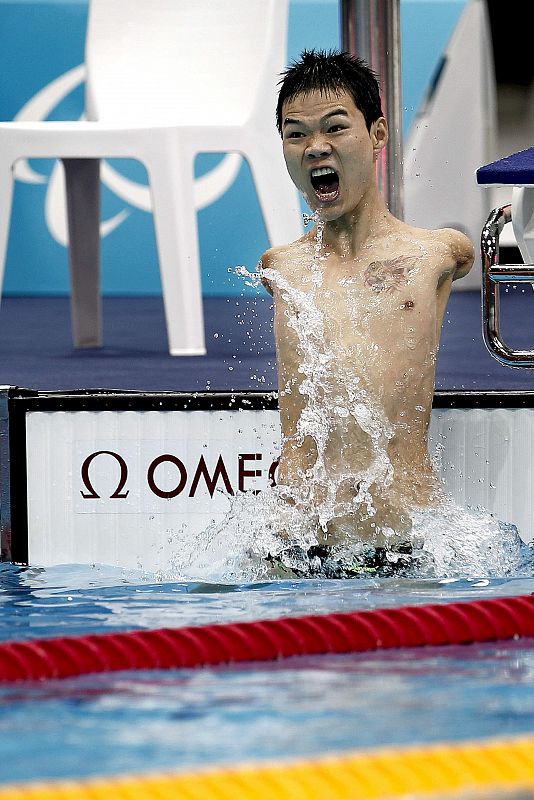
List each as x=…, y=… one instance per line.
x=516, y=170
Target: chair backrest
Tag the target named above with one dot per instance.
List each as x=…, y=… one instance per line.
x=187, y=61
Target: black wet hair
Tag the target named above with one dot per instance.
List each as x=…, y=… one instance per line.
x=331, y=72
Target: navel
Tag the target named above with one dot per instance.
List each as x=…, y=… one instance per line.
x=408, y=304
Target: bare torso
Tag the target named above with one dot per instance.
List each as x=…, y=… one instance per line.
x=354, y=332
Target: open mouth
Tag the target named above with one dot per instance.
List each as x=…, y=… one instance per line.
x=325, y=183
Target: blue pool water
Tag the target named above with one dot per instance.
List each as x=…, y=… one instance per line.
x=139, y=722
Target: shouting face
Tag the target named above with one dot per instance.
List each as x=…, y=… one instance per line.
x=329, y=152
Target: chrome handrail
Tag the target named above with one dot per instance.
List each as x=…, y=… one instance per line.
x=493, y=274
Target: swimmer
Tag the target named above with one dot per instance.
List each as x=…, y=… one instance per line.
x=380, y=288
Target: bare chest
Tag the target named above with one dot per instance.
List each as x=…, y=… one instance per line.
x=385, y=305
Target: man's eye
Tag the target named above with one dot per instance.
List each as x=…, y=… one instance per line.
x=295, y=135
x=336, y=128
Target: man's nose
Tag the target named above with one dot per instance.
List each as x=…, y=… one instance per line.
x=318, y=147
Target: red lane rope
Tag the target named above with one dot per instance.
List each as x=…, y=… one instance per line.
x=357, y=631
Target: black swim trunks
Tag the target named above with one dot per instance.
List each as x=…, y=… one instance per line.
x=322, y=561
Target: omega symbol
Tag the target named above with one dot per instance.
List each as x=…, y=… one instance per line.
x=118, y=493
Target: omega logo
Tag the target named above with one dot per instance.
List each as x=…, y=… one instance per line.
x=91, y=494
x=200, y=475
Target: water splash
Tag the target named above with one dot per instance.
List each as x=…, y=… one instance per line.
x=468, y=543
x=252, y=279
x=450, y=542
x=284, y=527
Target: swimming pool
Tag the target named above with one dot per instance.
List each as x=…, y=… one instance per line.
x=308, y=707
x=150, y=721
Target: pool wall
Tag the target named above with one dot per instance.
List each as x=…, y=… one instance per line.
x=157, y=468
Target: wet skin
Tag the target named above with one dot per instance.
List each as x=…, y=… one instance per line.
x=383, y=289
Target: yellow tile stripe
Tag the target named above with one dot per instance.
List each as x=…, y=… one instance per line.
x=474, y=767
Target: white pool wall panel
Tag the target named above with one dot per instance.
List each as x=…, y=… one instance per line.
x=140, y=530
x=483, y=457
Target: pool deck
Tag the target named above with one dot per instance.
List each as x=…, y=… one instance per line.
x=36, y=350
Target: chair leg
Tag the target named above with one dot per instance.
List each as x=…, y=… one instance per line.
x=6, y=196
x=175, y=221
x=278, y=198
x=82, y=181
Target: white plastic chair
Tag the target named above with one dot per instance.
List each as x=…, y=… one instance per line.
x=166, y=79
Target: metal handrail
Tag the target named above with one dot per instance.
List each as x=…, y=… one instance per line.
x=493, y=274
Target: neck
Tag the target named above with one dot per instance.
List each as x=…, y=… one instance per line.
x=347, y=234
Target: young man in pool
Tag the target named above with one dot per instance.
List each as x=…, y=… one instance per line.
x=359, y=302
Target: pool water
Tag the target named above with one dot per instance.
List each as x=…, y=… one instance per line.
x=140, y=722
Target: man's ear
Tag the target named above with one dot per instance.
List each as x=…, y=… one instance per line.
x=379, y=135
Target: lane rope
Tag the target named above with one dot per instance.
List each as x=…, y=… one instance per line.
x=358, y=631
x=479, y=768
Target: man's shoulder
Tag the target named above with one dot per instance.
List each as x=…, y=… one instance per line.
x=270, y=261
x=271, y=257
x=450, y=237
x=280, y=254
x=280, y=259
x=458, y=251
x=447, y=241
x=462, y=252
x=458, y=242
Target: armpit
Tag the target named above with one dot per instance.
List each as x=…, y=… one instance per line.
x=447, y=275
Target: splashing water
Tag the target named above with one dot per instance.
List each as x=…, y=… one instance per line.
x=460, y=542
x=282, y=526
x=327, y=384
x=453, y=542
